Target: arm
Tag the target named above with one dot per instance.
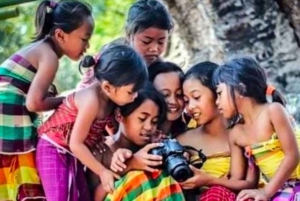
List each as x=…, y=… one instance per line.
x=87, y=112
x=283, y=128
x=242, y=174
x=36, y=99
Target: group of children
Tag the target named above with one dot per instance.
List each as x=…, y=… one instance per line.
x=95, y=146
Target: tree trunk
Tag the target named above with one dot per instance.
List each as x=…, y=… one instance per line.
x=216, y=29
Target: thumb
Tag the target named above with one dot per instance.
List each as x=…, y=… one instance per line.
x=194, y=169
x=128, y=154
x=116, y=175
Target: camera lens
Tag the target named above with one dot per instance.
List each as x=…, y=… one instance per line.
x=181, y=173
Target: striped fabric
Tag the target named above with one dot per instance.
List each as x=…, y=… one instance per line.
x=217, y=193
x=18, y=178
x=17, y=130
x=142, y=186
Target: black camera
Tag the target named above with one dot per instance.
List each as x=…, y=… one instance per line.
x=173, y=160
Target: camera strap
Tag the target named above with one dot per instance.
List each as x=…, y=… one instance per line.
x=202, y=158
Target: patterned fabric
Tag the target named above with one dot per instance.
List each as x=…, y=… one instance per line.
x=18, y=178
x=140, y=186
x=268, y=157
x=59, y=126
x=17, y=129
x=217, y=193
x=88, y=78
x=290, y=192
x=210, y=167
x=62, y=176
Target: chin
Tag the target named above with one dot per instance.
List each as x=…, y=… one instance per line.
x=173, y=117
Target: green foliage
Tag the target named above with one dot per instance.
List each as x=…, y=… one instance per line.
x=109, y=18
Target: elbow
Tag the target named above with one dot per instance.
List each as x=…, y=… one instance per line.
x=32, y=106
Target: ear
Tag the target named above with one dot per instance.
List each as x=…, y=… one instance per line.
x=59, y=35
x=118, y=115
x=107, y=87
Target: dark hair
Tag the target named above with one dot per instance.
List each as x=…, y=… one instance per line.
x=248, y=78
x=147, y=93
x=64, y=15
x=204, y=73
x=160, y=67
x=120, y=65
x=147, y=13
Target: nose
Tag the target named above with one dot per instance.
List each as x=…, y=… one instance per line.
x=134, y=95
x=217, y=101
x=171, y=100
x=191, y=105
x=153, y=47
x=148, y=126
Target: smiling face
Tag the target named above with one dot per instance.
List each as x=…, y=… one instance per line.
x=199, y=101
x=150, y=43
x=141, y=124
x=168, y=84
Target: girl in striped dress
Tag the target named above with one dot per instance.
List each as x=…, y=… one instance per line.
x=61, y=29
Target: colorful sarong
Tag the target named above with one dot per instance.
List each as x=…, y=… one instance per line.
x=62, y=176
x=290, y=192
x=17, y=129
x=142, y=186
x=18, y=178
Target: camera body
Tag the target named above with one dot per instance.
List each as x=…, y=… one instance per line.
x=173, y=160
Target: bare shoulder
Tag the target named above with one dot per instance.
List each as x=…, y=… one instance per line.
x=274, y=109
x=235, y=132
x=87, y=97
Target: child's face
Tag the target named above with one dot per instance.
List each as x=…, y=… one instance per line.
x=224, y=101
x=75, y=44
x=199, y=101
x=122, y=95
x=141, y=124
x=168, y=84
x=150, y=43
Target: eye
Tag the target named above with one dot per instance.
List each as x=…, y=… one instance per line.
x=197, y=97
x=185, y=100
x=142, y=119
x=85, y=39
x=161, y=42
x=146, y=42
x=130, y=92
x=154, y=121
x=179, y=95
x=219, y=93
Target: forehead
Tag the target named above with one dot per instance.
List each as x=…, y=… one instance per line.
x=86, y=28
x=167, y=80
x=149, y=107
x=153, y=32
x=191, y=85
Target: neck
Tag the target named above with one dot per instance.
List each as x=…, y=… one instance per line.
x=215, y=127
x=54, y=45
x=166, y=127
x=122, y=142
x=250, y=110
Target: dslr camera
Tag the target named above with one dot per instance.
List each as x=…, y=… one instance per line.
x=173, y=160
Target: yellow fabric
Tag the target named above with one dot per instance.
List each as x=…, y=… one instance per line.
x=269, y=155
x=192, y=124
x=217, y=165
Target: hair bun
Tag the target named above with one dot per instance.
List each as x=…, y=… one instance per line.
x=88, y=61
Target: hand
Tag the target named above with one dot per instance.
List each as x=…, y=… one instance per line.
x=199, y=179
x=255, y=194
x=100, y=147
x=118, y=160
x=107, y=180
x=142, y=160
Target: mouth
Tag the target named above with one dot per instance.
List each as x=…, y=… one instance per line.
x=145, y=137
x=173, y=110
x=151, y=57
x=196, y=115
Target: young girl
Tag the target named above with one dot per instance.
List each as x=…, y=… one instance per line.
x=138, y=121
x=147, y=29
x=77, y=125
x=262, y=128
x=211, y=137
x=61, y=29
x=167, y=78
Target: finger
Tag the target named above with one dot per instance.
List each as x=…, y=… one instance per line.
x=152, y=146
x=153, y=163
x=150, y=169
x=244, y=196
x=194, y=169
x=116, y=176
x=120, y=164
x=116, y=168
x=153, y=157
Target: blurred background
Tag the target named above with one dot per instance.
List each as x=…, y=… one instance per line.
x=268, y=30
